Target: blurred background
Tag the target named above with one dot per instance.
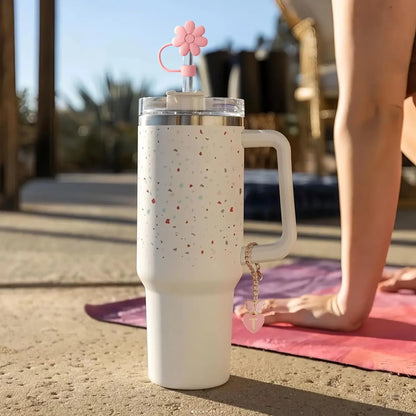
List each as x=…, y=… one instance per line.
x=106, y=58
x=71, y=74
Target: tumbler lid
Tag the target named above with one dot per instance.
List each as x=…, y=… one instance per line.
x=191, y=103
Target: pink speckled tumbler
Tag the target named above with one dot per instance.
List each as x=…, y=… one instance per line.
x=190, y=230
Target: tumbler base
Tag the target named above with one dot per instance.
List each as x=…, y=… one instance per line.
x=189, y=339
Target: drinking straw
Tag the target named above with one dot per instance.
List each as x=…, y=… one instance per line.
x=189, y=39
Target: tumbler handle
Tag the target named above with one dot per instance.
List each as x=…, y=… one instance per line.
x=280, y=248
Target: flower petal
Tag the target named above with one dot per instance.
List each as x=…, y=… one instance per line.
x=201, y=41
x=199, y=31
x=184, y=49
x=180, y=38
x=194, y=49
x=178, y=41
x=180, y=31
x=189, y=26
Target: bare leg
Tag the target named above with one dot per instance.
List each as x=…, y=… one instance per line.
x=405, y=278
x=408, y=144
x=373, y=40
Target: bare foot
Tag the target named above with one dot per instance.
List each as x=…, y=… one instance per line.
x=310, y=311
x=398, y=280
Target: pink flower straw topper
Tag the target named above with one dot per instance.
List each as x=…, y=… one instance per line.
x=189, y=38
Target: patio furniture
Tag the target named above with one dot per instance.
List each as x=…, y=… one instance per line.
x=312, y=25
x=262, y=81
x=213, y=71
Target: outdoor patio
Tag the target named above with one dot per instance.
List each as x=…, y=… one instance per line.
x=73, y=242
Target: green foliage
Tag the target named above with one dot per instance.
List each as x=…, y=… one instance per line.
x=26, y=114
x=102, y=135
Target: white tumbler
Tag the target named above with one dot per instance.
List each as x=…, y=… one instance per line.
x=190, y=248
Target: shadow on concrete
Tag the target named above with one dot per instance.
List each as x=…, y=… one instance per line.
x=76, y=236
x=323, y=237
x=50, y=191
x=301, y=234
x=405, y=220
x=273, y=399
x=68, y=285
x=73, y=216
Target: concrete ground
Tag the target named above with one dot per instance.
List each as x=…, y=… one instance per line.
x=73, y=243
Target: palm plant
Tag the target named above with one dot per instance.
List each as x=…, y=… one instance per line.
x=107, y=125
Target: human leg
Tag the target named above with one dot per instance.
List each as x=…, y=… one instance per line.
x=373, y=42
x=373, y=78
x=404, y=278
x=408, y=142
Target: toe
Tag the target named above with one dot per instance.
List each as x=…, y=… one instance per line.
x=395, y=284
x=389, y=285
x=387, y=274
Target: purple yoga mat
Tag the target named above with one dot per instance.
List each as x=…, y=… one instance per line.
x=387, y=341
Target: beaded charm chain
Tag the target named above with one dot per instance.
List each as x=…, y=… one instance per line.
x=254, y=319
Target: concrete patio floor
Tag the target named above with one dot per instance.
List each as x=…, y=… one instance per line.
x=72, y=243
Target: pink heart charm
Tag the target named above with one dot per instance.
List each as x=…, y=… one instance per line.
x=252, y=322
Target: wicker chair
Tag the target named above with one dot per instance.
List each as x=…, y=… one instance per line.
x=312, y=25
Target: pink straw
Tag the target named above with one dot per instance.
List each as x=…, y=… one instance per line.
x=189, y=39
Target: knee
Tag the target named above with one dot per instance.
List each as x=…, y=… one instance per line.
x=369, y=119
